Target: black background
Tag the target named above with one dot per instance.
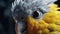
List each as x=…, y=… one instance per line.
x=7, y=24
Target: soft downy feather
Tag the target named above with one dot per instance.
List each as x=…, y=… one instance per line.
x=20, y=9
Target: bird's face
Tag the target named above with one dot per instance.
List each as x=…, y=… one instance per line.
x=50, y=24
x=28, y=13
x=21, y=16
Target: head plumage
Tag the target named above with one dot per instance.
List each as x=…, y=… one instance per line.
x=32, y=3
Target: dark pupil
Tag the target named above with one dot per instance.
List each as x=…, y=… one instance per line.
x=35, y=14
x=58, y=9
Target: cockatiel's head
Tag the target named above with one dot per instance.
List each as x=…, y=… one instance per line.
x=23, y=10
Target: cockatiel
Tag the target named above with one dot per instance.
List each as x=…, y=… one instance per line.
x=36, y=17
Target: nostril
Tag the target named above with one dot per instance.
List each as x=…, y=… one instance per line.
x=35, y=14
x=22, y=17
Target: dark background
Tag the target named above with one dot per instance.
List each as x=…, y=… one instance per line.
x=7, y=24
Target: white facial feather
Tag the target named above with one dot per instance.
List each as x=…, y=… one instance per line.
x=29, y=2
x=28, y=6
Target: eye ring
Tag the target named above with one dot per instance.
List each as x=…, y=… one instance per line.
x=36, y=14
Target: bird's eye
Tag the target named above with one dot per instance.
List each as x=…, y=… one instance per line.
x=36, y=14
